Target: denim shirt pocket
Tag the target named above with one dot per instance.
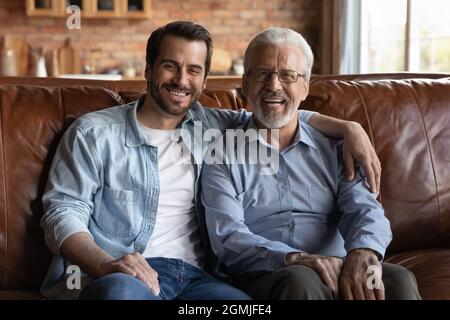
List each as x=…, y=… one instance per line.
x=118, y=216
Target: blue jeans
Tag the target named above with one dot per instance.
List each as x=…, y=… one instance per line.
x=177, y=280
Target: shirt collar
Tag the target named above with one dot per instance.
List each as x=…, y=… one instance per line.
x=304, y=135
x=190, y=115
x=134, y=137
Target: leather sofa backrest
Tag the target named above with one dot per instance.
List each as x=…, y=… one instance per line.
x=407, y=120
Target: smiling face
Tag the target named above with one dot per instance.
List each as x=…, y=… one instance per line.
x=275, y=103
x=177, y=78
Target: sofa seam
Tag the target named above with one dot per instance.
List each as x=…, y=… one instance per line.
x=411, y=92
x=5, y=197
x=63, y=109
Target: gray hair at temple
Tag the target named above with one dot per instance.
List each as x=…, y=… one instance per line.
x=278, y=36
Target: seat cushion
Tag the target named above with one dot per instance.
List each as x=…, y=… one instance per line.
x=431, y=268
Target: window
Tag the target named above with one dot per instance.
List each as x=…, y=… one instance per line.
x=405, y=35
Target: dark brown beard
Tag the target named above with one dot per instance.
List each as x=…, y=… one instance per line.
x=160, y=102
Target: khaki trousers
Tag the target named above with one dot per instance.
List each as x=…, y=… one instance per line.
x=298, y=282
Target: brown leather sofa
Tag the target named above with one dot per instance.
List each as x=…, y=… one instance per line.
x=407, y=116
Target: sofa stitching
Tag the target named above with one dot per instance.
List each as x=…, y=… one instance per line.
x=411, y=92
x=5, y=259
x=62, y=107
x=366, y=113
x=112, y=86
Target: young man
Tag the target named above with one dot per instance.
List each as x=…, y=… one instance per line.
x=301, y=231
x=121, y=196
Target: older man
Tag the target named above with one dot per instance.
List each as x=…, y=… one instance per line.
x=301, y=231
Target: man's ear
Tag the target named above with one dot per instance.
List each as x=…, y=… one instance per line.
x=244, y=84
x=148, y=72
x=204, y=83
x=305, y=89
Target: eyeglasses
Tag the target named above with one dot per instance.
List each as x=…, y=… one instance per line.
x=285, y=76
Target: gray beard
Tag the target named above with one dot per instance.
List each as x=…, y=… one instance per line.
x=272, y=120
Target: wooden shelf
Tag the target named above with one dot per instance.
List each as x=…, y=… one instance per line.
x=84, y=5
x=133, y=9
x=106, y=8
x=138, y=9
x=43, y=8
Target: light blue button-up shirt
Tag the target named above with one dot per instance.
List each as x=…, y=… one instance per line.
x=254, y=220
x=104, y=180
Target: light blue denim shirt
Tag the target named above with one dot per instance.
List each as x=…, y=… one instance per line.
x=254, y=220
x=104, y=180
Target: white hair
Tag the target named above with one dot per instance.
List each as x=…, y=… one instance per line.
x=278, y=36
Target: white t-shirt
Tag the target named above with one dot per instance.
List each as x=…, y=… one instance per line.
x=176, y=233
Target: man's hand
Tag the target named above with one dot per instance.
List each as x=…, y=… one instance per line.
x=80, y=249
x=135, y=265
x=328, y=268
x=354, y=278
x=357, y=147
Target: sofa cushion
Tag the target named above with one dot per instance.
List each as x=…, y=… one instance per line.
x=431, y=268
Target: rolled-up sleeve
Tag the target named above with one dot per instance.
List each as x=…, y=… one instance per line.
x=363, y=223
x=72, y=181
x=237, y=247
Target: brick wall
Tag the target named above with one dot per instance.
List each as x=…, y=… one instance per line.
x=232, y=24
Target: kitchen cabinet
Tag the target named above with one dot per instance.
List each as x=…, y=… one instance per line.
x=43, y=8
x=106, y=8
x=136, y=8
x=84, y=5
x=133, y=9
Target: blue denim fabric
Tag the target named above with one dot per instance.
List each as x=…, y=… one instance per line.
x=177, y=280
